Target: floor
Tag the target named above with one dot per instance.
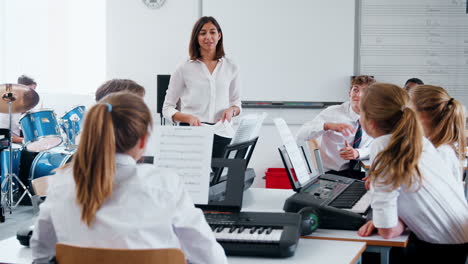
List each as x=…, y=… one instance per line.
x=21, y=216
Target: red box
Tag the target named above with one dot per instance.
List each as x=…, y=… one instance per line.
x=277, y=178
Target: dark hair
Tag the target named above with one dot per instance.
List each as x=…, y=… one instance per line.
x=414, y=80
x=119, y=85
x=362, y=79
x=26, y=80
x=194, y=46
x=113, y=125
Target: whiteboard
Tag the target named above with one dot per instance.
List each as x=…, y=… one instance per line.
x=301, y=50
x=426, y=39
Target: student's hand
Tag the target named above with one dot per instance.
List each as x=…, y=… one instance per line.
x=348, y=152
x=367, y=229
x=367, y=182
x=343, y=128
x=192, y=120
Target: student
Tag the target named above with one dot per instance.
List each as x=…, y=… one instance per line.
x=443, y=120
x=119, y=85
x=342, y=142
x=15, y=117
x=412, y=82
x=207, y=85
x=105, y=199
x=408, y=179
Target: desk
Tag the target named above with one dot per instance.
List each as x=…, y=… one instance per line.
x=272, y=200
x=308, y=251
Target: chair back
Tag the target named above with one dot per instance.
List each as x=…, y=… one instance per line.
x=40, y=185
x=67, y=254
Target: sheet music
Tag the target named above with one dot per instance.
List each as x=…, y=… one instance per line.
x=187, y=150
x=294, y=153
x=249, y=128
x=223, y=129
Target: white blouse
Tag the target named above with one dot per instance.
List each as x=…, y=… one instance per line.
x=436, y=211
x=331, y=141
x=449, y=156
x=148, y=209
x=203, y=94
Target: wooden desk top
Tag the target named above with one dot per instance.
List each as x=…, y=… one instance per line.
x=272, y=200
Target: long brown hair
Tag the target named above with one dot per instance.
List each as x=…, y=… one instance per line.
x=387, y=105
x=446, y=116
x=113, y=125
x=194, y=46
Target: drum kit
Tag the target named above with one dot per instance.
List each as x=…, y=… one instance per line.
x=42, y=132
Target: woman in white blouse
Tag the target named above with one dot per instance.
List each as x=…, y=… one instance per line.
x=207, y=85
x=104, y=199
x=443, y=121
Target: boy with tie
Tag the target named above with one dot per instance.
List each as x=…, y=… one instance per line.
x=342, y=141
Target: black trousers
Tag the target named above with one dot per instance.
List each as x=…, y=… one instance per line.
x=219, y=144
x=419, y=251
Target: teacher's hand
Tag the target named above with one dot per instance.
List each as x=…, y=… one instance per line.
x=229, y=113
x=192, y=120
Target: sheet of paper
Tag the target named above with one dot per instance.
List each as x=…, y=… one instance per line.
x=249, y=128
x=187, y=150
x=297, y=159
x=223, y=129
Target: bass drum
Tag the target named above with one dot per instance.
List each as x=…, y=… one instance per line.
x=47, y=162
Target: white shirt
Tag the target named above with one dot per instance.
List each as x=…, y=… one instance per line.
x=449, y=156
x=5, y=122
x=331, y=141
x=436, y=211
x=201, y=93
x=148, y=209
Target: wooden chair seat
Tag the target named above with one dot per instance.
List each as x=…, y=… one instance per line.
x=67, y=254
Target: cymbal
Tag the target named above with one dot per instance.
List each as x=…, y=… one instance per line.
x=22, y=97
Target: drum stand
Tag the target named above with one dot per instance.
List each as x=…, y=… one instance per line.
x=70, y=144
x=6, y=201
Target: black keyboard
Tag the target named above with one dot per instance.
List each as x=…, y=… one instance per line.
x=341, y=203
x=256, y=233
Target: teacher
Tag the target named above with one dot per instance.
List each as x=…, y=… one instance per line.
x=207, y=85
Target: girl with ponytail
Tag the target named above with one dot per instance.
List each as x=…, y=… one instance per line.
x=443, y=121
x=408, y=181
x=105, y=199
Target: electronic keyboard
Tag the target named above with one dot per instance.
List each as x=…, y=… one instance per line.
x=256, y=233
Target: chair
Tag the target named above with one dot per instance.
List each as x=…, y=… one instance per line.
x=39, y=186
x=67, y=254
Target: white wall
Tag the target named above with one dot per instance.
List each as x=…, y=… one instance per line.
x=59, y=43
x=143, y=42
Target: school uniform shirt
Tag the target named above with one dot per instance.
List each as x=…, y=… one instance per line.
x=331, y=141
x=201, y=93
x=148, y=209
x=5, y=122
x=435, y=210
x=450, y=157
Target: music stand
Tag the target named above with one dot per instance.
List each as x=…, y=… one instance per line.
x=235, y=151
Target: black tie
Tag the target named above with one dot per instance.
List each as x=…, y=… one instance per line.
x=354, y=164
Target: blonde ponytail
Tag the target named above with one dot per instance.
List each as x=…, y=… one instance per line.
x=387, y=106
x=115, y=125
x=446, y=117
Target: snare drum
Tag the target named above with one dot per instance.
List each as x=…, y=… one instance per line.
x=46, y=162
x=40, y=129
x=72, y=122
x=5, y=165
